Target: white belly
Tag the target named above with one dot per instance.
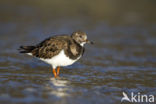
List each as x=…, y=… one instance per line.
x=60, y=60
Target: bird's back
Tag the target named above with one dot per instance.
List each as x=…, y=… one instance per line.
x=52, y=46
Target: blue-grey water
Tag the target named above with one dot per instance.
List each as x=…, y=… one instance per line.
x=123, y=58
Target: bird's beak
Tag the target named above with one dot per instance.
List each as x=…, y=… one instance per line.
x=89, y=42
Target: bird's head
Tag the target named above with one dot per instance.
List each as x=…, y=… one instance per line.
x=80, y=37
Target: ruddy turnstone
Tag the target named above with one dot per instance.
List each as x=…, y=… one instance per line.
x=59, y=50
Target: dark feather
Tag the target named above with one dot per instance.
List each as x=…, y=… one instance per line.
x=53, y=45
x=26, y=49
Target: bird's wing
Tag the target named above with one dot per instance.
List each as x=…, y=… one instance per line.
x=50, y=47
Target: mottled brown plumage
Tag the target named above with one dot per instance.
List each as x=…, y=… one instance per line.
x=65, y=48
x=53, y=45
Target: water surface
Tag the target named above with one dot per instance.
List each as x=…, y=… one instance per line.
x=122, y=59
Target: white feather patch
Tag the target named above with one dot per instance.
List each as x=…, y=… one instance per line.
x=83, y=43
x=29, y=54
x=60, y=60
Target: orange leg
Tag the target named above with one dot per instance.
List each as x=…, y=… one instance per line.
x=58, y=70
x=54, y=72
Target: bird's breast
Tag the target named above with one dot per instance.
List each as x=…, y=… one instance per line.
x=61, y=60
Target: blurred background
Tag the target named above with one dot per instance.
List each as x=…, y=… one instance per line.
x=122, y=59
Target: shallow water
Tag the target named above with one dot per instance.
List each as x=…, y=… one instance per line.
x=123, y=58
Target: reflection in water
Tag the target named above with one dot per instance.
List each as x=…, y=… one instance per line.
x=58, y=87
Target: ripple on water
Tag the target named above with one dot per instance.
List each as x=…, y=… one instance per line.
x=122, y=59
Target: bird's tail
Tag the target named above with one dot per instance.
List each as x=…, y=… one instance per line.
x=26, y=49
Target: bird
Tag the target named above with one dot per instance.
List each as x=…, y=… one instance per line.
x=58, y=50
